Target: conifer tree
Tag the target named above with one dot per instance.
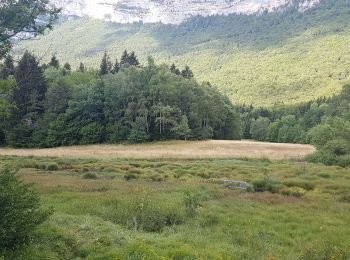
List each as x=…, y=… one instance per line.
x=116, y=67
x=133, y=61
x=67, y=66
x=174, y=69
x=9, y=67
x=106, y=65
x=124, y=59
x=82, y=67
x=187, y=73
x=30, y=79
x=54, y=62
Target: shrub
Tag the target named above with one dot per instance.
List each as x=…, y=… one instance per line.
x=20, y=212
x=90, y=176
x=337, y=147
x=130, y=176
x=301, y=184
x=265, y=185
x=345, y=198
x=293, y=191
x=52, y=167
x=321, y=134
x=157, y=177
x=324, y=175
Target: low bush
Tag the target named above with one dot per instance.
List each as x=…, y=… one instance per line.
x=51, y=166
x=301, y=184
x=335, y=152
x=324, y=175
x=90, y=176
x=130, y=176
x=293, y=191
x=265, y=185
x=345, y=198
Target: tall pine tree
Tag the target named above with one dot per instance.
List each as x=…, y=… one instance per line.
x=133, y=61
x=30, y=81
x=116, y=67
x=9, y=67
x=124, y=60
x=106, y=65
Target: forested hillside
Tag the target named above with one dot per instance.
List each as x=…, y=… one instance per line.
x=283, y=57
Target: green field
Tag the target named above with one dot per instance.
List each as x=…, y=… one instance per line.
x=181, y=209
x=261, y=60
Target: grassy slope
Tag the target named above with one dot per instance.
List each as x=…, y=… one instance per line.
x=93, y=218
x=275, y=58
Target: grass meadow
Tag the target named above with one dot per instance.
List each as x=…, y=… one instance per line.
x=175, y=150
x=177, y=208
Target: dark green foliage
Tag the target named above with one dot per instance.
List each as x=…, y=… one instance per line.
x=137, y=104
x=138, y=132
x=29, y=99
x=334, y=152
x=67, y=68
x=54, y=62
x=90, y=176
x=31, y=85
x=116, y=67
x=175, y=70
x=52, y=167
x=182, y=130
x=20, y=211
x=314, y=122
x=92, y=133
x=82, y=67
x=8, y=68
x=186, y=73
x=106, y=65
x=130, y=176
x=129, y=59
x=259, y=128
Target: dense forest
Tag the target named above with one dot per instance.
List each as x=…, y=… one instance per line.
x=51, y=105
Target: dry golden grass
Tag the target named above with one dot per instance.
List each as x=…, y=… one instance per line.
x=174, y=150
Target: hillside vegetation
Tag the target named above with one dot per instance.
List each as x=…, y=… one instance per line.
x=261, y=60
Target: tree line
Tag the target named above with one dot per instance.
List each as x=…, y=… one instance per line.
x=324, y=123
x=52, y=105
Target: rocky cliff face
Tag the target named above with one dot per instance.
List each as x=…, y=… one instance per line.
x=169, y=11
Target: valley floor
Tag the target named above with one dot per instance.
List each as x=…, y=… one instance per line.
x=183, y=209
x=174, y=150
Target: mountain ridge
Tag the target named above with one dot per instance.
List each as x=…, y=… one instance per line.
x=171, y=11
